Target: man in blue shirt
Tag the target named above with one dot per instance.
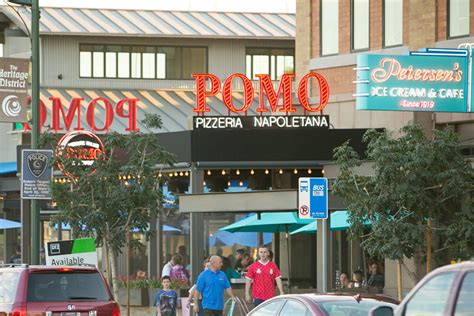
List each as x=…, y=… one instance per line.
x=211, y=284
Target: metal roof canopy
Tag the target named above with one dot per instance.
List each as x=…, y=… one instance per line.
x=157, y=23
x=246, y=202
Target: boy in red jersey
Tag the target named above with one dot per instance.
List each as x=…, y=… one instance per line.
x=262, y=274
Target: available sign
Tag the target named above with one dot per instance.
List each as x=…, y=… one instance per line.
x=71, y=252
x=13, y=89
x=313, y=198
x=36, y=172
x=434, y=80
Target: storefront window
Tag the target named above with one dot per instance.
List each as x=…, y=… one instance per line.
x=360, y=24
x=141, y=62
x=458, y=18
x=329, y=27
x=9, y=238
x=393, y=23
x=272, y=61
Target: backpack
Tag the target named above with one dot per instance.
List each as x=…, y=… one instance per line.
x=178, y=272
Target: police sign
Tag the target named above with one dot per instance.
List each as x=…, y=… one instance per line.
x=313, y=198
x=36, y=172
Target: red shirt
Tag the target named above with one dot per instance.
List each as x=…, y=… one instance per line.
x=263, y=277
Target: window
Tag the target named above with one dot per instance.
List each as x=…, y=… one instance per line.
x=8, y=286
x=392, y=22
x=272, y=61
x=141, y=62
x=268, y=309
x=458, y=17
x=432, y=297
x=329, y=27
x=294, y=308
x=360, y=24
x=466, y=294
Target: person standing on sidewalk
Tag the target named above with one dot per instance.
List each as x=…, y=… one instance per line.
x=211, y=284
x=262, y=275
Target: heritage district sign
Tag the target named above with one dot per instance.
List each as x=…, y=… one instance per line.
x=435, y=80
x=63, y=118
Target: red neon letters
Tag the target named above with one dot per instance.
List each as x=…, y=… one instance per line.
x=266, y=89
x=125, y=108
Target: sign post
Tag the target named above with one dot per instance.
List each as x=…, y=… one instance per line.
x=313, y=203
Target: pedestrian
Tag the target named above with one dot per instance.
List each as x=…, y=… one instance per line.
x=16, y=258
x=343, y=281
x=357, y=280
x=176, y=259
x=211, y=284
x=262, y=275
x=376, y=279
x=238, y=256
x=192, y=292
x=166, y=299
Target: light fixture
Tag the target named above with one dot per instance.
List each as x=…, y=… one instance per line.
x=295, y=171
x=175, y=173
x=159, y=175
x=181, y=174
x=223, y=172
x=208, y=172
x=129, y=177
x=126, y=183
x=310, y=171
x=252, y=172
x=171, y=174
x=228, y=183
x=280, y=171
x=322, y=171
x=266, y=171
x=241, y=183
x=237, y=172
x=204, y=183
x=186, y=173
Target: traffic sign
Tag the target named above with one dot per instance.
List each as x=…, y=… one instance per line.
x=313, y=198
x=36, y=172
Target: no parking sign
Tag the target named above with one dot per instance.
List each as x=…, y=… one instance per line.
x=313, y=198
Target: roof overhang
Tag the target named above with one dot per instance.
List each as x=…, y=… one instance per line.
x=243, y=202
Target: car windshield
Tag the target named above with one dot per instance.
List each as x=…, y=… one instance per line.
x=59, y=287
x=351, y=307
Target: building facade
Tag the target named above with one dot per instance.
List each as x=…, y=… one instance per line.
x=330, y=34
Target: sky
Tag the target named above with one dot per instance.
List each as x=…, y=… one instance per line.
x=287, y=6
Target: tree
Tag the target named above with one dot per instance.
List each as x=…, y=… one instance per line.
x=118, y=195
x=420, y=187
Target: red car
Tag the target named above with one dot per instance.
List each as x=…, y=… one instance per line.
x=55, y=291
x=447, y=291
x=322, y=305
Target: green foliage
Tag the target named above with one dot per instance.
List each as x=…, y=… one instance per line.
x=414, y=179
x=152, y=283
x=98, y=203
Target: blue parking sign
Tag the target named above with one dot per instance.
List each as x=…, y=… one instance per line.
x=313, y=198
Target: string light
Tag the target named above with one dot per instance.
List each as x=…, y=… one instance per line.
x=237, y=172
x=159, y=175
x=295, y=171
x=310, y=171
x=322, y=171
x=241, y=183
x=181, y=174
x=208, y=172
x=223, y=172
x=186, y=173
x=204, y=183
x=129, y=177
x=266, y=171
x=228, y=183
x=171, y=174
x=280, y=171
x=252, y=172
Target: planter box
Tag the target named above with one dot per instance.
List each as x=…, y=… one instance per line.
x=138, y=297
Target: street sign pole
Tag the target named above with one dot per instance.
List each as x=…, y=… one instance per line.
x=325, y=262
x=35, y=218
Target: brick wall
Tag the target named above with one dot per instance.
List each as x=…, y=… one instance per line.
x=442, y=19
x=375, y=26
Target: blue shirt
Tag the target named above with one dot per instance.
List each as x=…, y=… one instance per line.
x=212, y=286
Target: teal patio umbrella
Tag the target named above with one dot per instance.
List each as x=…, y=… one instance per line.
x=273, y=222
x=339, y=221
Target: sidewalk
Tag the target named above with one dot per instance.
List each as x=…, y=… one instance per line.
x=143, y=311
